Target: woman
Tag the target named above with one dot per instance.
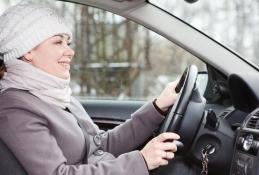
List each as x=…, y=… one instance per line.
x=45, y=127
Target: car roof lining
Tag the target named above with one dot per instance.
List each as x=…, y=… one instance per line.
x=117, y=6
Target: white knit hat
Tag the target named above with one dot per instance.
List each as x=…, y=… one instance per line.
x=25, y=25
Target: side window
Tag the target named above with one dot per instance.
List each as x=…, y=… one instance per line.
x=117, y=58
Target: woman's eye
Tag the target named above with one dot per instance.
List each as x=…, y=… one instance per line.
x=58, y=42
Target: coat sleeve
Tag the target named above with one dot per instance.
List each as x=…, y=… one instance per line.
x=134, y=132
x=31, y=141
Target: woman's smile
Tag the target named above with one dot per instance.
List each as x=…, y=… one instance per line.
x=65, y=64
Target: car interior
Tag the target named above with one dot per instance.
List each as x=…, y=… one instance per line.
x=217, y=112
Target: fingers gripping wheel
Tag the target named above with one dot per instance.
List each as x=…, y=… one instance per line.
x=184, y=88
x=178, y=118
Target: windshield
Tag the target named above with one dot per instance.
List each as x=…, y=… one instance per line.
x=235, y=24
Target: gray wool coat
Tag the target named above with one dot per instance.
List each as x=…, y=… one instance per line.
x=47, y=140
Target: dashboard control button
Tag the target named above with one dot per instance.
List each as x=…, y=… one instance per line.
x=248, y=142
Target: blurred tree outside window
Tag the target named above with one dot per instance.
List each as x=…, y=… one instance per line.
x=233, y=23
x=117, y=58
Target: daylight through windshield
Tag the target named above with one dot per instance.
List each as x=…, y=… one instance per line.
x=232, y=23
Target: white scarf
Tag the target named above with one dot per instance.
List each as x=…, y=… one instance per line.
x=49, y=88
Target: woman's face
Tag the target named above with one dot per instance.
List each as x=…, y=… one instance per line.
x=52, y=56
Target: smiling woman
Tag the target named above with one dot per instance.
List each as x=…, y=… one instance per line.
x=48, y=130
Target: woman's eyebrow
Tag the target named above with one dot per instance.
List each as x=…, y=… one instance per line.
x=62, y=36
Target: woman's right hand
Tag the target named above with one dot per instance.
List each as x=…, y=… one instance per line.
x=158, y=152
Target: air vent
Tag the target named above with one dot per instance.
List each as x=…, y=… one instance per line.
x=224, y=114
x=253, y=121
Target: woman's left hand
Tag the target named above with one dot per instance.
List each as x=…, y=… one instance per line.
x=168, y=96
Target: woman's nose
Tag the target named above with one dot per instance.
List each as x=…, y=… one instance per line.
x=69, y=51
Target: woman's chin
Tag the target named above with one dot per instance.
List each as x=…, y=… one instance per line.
x=64, y=76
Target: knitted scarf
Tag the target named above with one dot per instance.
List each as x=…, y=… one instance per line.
x=49, y=88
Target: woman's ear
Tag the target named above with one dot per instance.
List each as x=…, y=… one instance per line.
x=27, y=57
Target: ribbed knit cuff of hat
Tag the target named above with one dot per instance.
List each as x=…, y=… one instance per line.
x=24, y=27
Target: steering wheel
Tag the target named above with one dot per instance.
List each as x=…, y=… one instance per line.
x=185, y=115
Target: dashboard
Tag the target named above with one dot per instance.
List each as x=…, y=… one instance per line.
x=245, y=160
x=245, y=97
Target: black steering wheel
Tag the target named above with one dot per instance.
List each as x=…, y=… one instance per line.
x=185, y=115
